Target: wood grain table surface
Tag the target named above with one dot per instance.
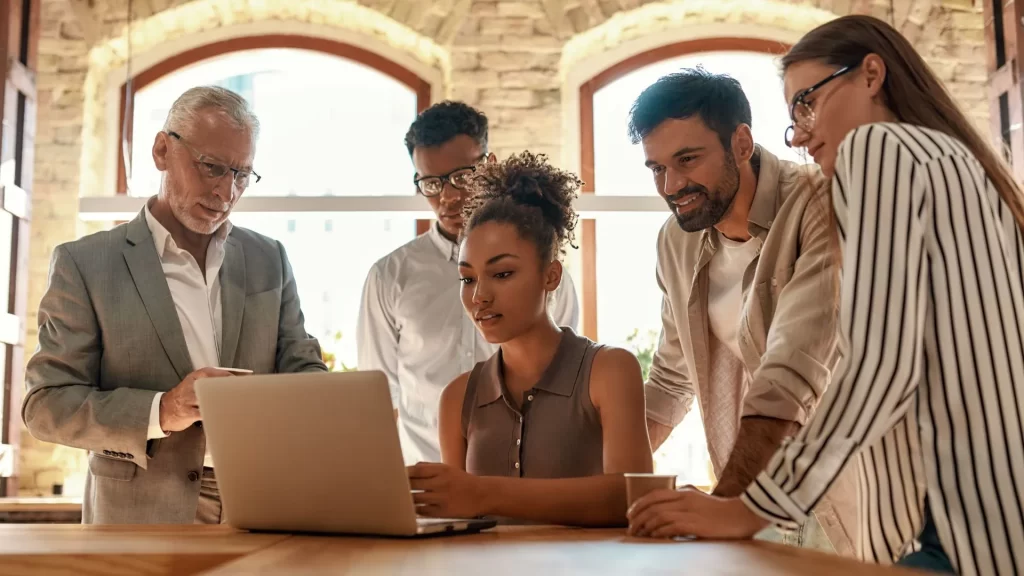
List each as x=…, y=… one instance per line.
x=59, y=549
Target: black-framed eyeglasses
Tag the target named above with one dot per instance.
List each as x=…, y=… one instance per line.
x=801, y=112
x=214, y=170
x=459, y=178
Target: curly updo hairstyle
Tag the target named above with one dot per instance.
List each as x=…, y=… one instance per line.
x=530, y=194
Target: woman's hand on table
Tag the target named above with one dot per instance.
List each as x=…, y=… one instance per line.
x=689, y=512
x=447, y=492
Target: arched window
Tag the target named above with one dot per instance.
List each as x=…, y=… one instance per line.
x=620, y=248
x=333, y=119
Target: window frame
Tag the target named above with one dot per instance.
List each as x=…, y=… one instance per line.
x=587, y=89
x=172, y=64
x=19, y=48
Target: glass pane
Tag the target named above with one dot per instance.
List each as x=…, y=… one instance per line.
x=619, y=165
x=329, y=126
x=626, y=260
x=330, y=259
x=6, y=256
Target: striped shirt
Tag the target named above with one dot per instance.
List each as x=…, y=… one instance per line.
x=930, y=392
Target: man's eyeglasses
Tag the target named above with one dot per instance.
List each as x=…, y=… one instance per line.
x=214, y=169
x=460, y=178
x=801, y=112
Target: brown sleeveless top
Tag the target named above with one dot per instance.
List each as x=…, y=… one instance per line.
x=556, y=434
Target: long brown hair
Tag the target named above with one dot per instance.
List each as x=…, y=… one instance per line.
x=912, y=91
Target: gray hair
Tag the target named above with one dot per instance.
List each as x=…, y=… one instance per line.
x=185, y=109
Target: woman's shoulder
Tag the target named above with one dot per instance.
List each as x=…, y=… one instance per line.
x=873, y=142
x=613, y=363
x=610, y=355
x=615, y=377
x=603, y=356
x=455, y=391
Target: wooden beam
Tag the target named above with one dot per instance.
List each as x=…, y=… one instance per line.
x=588, y=243
x=86, y=19
x=588, y=247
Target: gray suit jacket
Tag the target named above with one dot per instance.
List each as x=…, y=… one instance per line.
x=110, y=339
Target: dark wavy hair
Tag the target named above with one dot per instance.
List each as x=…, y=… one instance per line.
x=530, y=194
x=444, y=121
x=717, y=99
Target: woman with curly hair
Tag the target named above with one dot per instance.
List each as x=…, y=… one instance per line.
x=543, y=430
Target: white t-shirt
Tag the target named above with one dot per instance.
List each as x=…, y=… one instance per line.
x=725, y=289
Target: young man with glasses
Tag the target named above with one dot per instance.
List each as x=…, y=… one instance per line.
x=746, y=265
x=412, y=325
x=133, y=316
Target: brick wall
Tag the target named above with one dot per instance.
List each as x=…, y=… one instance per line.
x=506, y=57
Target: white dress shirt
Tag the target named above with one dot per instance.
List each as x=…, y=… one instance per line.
x=412, y=326
x=197, y=300
x=725, y=289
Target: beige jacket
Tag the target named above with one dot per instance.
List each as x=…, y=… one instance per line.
x=788, y=333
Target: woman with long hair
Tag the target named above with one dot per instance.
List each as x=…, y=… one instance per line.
x=543, y=430
x=928, y=399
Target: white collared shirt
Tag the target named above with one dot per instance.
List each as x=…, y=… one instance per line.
x=412, y=326
x=197, y=301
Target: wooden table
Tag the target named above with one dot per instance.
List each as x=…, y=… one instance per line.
x=55, y=504
x=530, y=551
x=47, y=510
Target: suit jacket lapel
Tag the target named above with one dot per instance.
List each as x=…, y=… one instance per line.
x=232, y=298
x=148, y=275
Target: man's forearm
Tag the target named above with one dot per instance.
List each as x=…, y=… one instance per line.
x=83, y=417
x=757, y=442
x=658, y=433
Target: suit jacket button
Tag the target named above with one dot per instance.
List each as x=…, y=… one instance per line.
x=106, y=452
x=130, y=457
x=193, y=476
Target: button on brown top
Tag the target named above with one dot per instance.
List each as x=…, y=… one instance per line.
x=556, y=434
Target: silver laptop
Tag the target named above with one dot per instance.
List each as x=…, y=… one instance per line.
x=314, y=452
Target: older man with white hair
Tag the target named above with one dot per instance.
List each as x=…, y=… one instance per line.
x=134, y=315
